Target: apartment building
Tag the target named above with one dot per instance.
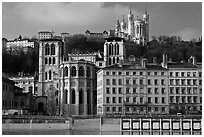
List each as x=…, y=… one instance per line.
x=132, y=89
x=185, y=92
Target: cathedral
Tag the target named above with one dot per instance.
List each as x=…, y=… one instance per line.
x=136, y=30
x=68, y=81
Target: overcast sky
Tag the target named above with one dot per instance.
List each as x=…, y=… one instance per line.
x=26, y=19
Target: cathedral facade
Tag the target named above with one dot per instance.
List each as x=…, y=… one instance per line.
x=136, y=30
x=68, y=85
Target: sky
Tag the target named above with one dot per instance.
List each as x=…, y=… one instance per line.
x=166, y=18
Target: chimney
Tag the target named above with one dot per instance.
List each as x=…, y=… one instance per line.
x=192, y=60
x=164, y=61
x=143, y=62
x=154, y=60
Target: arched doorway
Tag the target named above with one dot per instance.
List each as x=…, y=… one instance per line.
x=40, y=107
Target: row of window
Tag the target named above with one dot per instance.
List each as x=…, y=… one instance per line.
x=133, y=90
x=48, y=75
x=113, y=49
x=125, y=73
x=184, y=99
x=50, y=50
x=81, y=71
x=185, y=82
x=184, y=90
x=141, y=100
x=136, y=109
x=185, y=74
x=129, y=81
x=50, y=61
x=172, y=74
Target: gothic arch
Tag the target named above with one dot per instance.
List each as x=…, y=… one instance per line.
x=73, y=97
x=88, y=72
x=117, y=59
x=109, y=60
x=45, y=60
x=73, y=71
x=81, y=71
x=52, y=49
x=117, y=48
x=45, y=75
x=53, y=60
x=66, y=96
x=50, y=60
x=40, y=107
x=50, y=75
x=113, y=60
x=111, y=49
x=81, y=100
x=47, y=49
x=66, y=71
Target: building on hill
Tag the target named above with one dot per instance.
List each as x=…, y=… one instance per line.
x=136, y=30
x=90, y=36
x=45, y=35
x=13, y=46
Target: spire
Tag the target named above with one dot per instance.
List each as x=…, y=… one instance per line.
x=130, y=10
x=123, y=17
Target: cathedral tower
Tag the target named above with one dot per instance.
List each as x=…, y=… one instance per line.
x=114, y=50
x=130, y=25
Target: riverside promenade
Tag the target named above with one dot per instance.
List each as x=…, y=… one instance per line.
x=125, y=125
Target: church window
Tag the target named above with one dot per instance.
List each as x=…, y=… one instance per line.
x=73, y=96
x=113, y=60
x=66, y=71
x=109, y=61
x=81, y=71
x=50, y=75
x=53, y=61
x=50, y=60
x=45, y=60
x=88, y=72
x=109, y=49
x=45, y=75
x=81, y=96
x=47, y=49
x=66, y=96
x=73, y=71
x=117, y=59
x=117, y=48
x=52, y=49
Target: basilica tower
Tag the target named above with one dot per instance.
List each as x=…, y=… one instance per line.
x=130, y=25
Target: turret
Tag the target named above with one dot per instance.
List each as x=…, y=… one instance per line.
x=130, y=23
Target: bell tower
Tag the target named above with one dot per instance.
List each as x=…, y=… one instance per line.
x=50, y=51
x=114, y=50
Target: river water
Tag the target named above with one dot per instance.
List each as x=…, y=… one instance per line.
x=88, y=132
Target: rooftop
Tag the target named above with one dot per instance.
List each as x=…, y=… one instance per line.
x=181, y=65
x=114, y=38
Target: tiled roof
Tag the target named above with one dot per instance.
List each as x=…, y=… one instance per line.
x=155, y=67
